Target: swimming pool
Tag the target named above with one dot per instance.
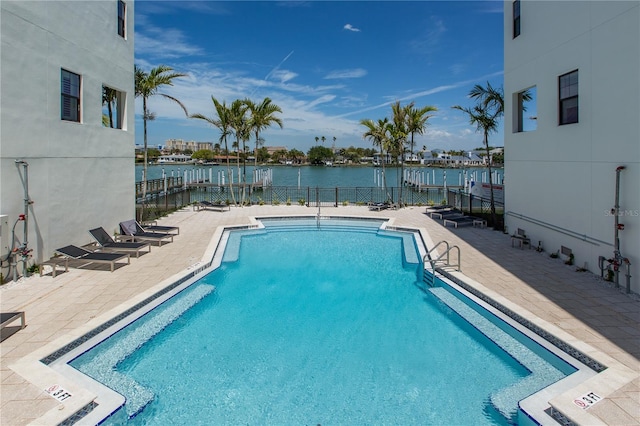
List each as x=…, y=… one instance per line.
x=328, y=325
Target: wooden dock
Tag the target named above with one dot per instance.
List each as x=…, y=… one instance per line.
x=157, y=186
x=206, y=184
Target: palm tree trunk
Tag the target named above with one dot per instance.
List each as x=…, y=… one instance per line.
x=255, y=154
x=244, y=172
x=144, y=166
x=384, y=178
x=400, y=179
x=110, y=110
x=226, y=148
x=493, y=204
x=238, y=163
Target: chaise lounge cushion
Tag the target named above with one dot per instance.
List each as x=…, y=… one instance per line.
x=75, y=252
x=105, y=241
x=133, y=229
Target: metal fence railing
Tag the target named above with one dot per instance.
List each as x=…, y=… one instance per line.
x=477, y=206
x=314, y=196
x=159, y=202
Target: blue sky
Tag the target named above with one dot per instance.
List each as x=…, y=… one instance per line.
x=327, y=64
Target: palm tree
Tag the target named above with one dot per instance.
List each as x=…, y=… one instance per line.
x=259, y=144
x=148, y=84
x=261, y=117
x=493, y=97
x=223, y=123
x=398, y=138
x=317, y=138
x=239, y=122
x=417, y=121
x=484, y=115
x=109, y=97
x=378, y=133
x=296, y=155
x=323, y=139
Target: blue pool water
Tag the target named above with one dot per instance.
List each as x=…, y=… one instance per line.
x=308, y=326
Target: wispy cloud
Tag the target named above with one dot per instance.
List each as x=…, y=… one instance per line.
x=283, y=75
x=201, y=7
x=155, y=42
x=351, y=101
x=352, y=73
x=457, y=69
x=417, y=95
x=491, y=7
x=277, y=67
x=321, y=100
x=432, y=36
x=300, y=103
x=350, y=27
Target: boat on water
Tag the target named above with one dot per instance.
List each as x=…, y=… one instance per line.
x=175, y=159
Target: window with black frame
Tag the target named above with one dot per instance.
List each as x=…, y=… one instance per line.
x=516, y=18
x=568, y=97
x=70, y=96
x=122, y=23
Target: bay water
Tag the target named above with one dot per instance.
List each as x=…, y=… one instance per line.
x=328, y=177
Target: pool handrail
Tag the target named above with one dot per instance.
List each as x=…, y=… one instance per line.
x=448, y=263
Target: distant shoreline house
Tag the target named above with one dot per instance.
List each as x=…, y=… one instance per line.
x=471, y=159
x=67, y=113
x=181, y=145
x=581, y=61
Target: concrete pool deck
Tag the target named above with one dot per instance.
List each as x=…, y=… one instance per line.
x=576, y=306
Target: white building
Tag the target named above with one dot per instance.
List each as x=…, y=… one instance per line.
x=581, y=61
x=182, y=145
x=174, y=158
x=60, y=141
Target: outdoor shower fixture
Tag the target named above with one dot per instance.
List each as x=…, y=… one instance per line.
x=24, y=252
x=617, y=261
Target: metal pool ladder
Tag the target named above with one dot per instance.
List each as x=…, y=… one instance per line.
x=443, y=260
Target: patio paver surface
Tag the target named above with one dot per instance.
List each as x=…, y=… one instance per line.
x=579, y=303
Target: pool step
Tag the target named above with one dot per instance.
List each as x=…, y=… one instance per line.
x=506, y=400
x=102, y=366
